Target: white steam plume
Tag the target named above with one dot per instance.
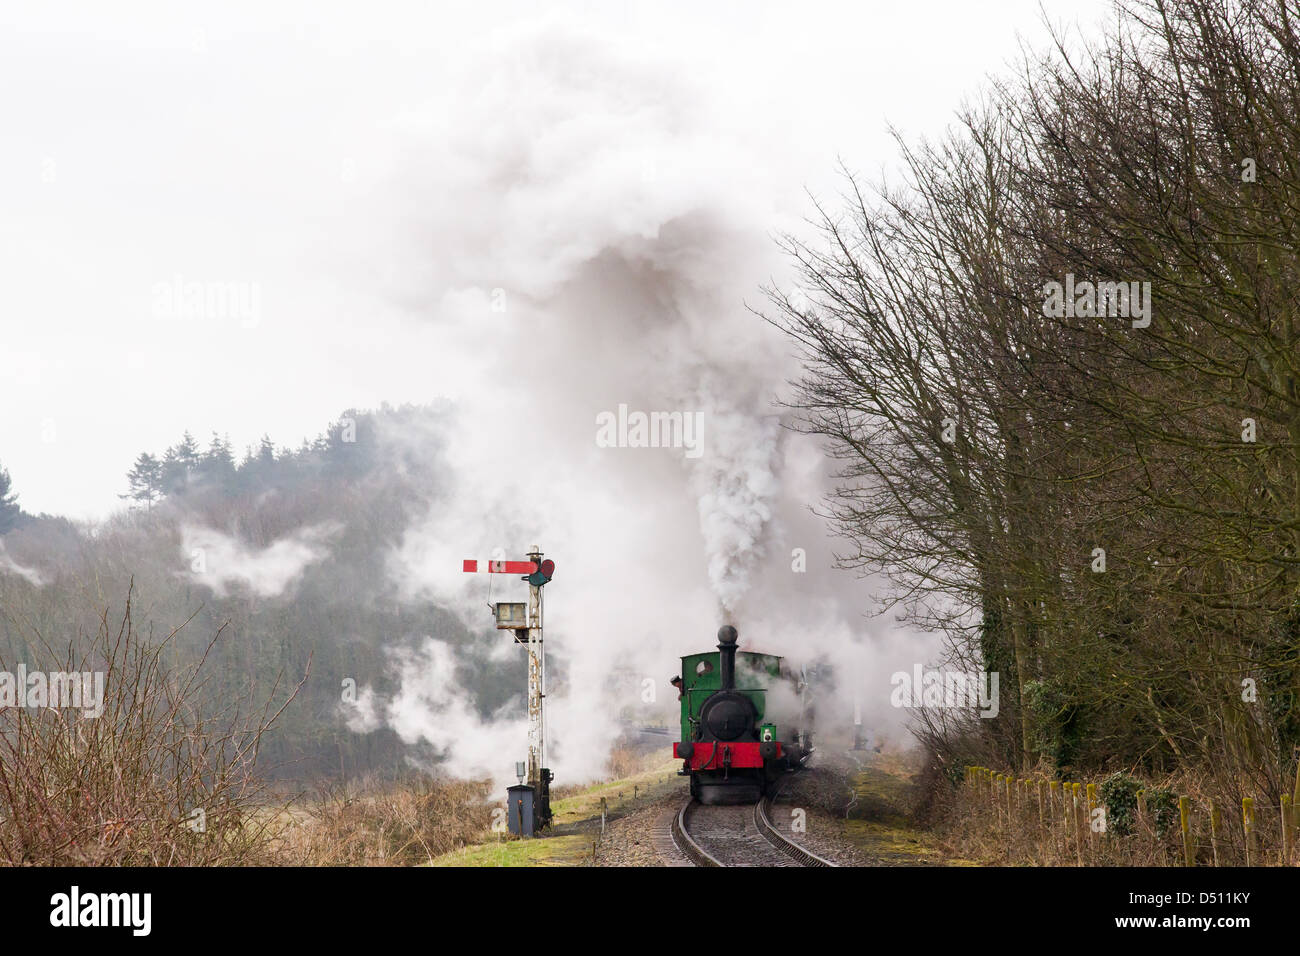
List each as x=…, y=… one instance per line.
x=431, y=707
x=736, y=483
x=9, y=566
x=592, y=225
x=219, y=560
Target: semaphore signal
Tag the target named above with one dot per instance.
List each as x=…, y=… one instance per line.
x=528, y=806
x=500, y=567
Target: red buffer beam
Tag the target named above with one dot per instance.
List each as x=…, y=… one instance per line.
x=499, y=567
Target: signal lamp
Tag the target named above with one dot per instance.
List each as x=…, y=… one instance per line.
x=542, y=574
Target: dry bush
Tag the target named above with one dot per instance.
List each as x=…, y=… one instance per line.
x=980, y=823
x=628, y=757
x=625, y=762
x=403, y=823
x=149, y=782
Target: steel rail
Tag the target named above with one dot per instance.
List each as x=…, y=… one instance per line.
x=699, y=856
x=684, y=842
x=800, y=854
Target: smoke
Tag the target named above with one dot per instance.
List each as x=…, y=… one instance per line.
x=429, y=707
x=736, y=485
x=9, y=566
x=591, y=225
x=220, y=561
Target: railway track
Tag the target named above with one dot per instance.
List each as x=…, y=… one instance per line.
x=737, y=836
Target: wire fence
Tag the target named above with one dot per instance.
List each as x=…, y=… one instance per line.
x=1062, y=823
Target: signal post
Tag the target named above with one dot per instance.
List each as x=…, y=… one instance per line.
x=529, y=804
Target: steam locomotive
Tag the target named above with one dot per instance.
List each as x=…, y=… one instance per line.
x=744, y=722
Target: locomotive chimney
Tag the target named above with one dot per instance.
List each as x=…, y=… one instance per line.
x=727, y=656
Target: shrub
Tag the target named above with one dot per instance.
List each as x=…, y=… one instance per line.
x=1119, y=797
x=402, y=823
x=148, y=781
x=1162, y=806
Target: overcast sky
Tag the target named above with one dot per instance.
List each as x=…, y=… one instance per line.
x=287, y=154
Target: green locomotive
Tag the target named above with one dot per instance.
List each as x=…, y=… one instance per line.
x=744, y=722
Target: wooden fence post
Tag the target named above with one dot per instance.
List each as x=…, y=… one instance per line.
x=1214, y=831
x=1091, y=805
x=1184, y=821
x=1248, y=824
x=1054, y=809
x=1287, y=839
x=1066, y=817
x=1078, y=837
x=1142, y=813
